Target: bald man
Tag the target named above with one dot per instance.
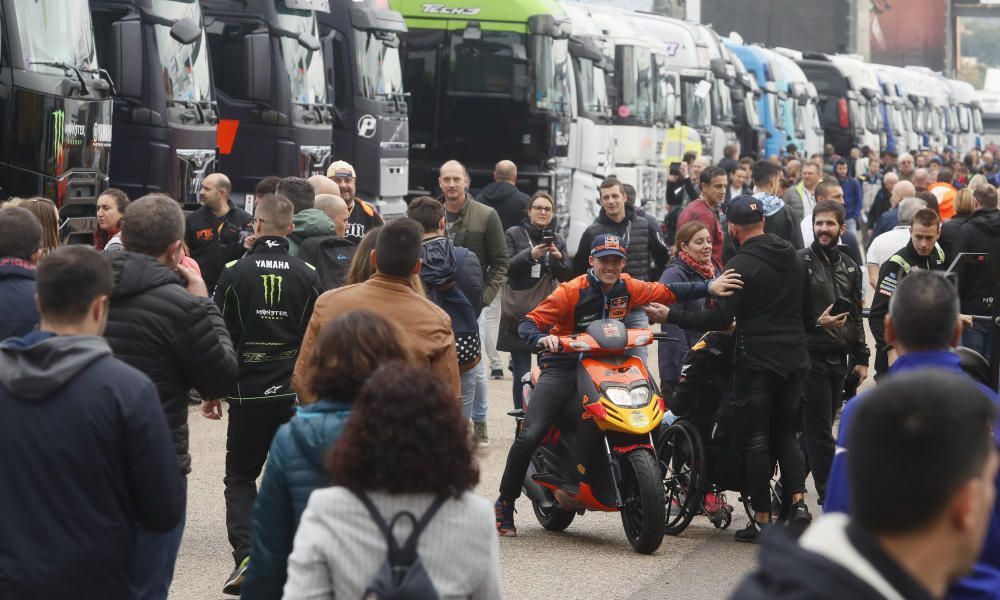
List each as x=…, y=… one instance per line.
x=324, y=185
x=921, y=179
x=336, y=209
x=503, y=196
x=882, y=202
x=890, y=218
x=215, y=232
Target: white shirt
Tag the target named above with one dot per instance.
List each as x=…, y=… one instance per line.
x=887, y=244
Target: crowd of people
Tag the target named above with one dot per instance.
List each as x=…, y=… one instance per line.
x=335, y=345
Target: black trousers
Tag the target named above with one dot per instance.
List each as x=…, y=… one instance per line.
x=769, y=412
x=824, y=387
x=554, y=398
x=248, y=439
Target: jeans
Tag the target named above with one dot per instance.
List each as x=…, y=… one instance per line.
x=554, y=397
x=248, y=439
x=489, y=329
x=769, y=412
x=156, y=555
x=979, y=338
x=638, y=319
x=521, y=364
x=824, y=386
x=474, y=393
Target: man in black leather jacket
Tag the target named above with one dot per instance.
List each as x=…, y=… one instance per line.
x=835, y=284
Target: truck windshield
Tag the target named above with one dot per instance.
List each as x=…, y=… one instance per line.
x=55, y=31
x=977, y=119
x=665, y=95
x=488, y=66
x=634, y=74
x=722, y=101
x=379, y=72
x=304, y=67
x=873, y=116
x=964, y=122
x=695, y=105
x=185, y=66
x=552, y=72
x=592, y=87
x=753, y=114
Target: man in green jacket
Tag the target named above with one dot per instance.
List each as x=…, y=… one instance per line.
x=475, y=226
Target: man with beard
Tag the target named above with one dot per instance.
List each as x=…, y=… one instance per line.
x=837, y=296
x=363, y=215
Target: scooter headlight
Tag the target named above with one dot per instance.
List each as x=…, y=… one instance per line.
x=639, y=396
x=619, y=396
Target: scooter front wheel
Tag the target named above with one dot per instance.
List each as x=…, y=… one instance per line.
x=643, y=510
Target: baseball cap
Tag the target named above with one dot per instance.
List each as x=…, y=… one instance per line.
x=340, y=168
x=607, y=245
x=745, y=210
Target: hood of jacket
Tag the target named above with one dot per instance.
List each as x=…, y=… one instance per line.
x=310, y=222
x=11, y=266
x=439, y=262
x=40, y=363
x=496, y=192
x=772, y=250
x=986, y=220
x=316, y=426
x=137, y=273
x=604, y=218
x=770, y=202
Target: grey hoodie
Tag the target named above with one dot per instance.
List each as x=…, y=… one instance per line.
x=37, y=365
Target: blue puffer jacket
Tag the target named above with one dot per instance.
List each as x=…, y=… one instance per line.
x=294, y=469
x=672, y=353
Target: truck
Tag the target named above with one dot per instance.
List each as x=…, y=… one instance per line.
x=803, y=98
x=746, y=96
x=164, y=125
x=371, y=128
x=55, y=104
x=775, y=137
x=270, y=83
x=849, y=117
x=487, y=81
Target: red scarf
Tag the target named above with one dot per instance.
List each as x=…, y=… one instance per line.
x=706, y=270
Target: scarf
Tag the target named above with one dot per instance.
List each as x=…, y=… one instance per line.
x=705, y=270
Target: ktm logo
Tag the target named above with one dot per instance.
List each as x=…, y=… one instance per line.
x=204, y=234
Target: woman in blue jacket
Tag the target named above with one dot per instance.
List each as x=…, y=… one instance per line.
x=348, y=350
x=692, y=263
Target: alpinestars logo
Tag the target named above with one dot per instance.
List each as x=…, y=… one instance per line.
x=272, y=289
x=439, y=9
x=272, y=390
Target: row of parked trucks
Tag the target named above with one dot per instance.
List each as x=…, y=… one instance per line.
x=153, y=95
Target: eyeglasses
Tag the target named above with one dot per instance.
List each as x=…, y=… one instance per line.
x=541, y=208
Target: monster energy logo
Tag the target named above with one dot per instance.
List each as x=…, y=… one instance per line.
x=272, y=289
x=58, y=124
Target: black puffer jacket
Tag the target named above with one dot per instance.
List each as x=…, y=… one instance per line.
x=981, y=233
x=641, y=238
x=178, y=340
x=509, y=202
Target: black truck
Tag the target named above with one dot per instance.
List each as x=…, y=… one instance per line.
x=270, y=83
x=55, y=106
x=165, y=114
x=371, y=127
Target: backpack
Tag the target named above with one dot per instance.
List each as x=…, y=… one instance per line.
x=331, y=256
x=402, y=576
x=464, y=320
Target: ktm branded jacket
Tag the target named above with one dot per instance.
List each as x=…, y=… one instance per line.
x=581, y=301
x=266, y=298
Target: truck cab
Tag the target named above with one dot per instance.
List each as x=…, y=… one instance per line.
x=964, y=103
x=271, y=88
x=371, y=128
x=803, y=98
x=55, y=106
x=164, y=126
x=863, y=81
x=746, y=97
x=776, y=138
x=901, y=136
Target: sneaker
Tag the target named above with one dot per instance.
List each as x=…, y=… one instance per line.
x=496, y=374
x=235, y=580
x=751, y=533
x=480, y=435
x=504, y=511
x=799, y=514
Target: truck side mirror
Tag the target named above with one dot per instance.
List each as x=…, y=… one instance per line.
x=803, y=100
x=308, y=42
x=127, y=39
x=257, y=66
x=185, y=31
x=328, y=42
x=719, y=68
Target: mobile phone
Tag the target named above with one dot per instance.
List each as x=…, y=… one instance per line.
x=841, y=306
x=675, y=168
x=548, y=237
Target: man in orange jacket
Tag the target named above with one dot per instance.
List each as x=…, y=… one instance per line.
x=944, y=191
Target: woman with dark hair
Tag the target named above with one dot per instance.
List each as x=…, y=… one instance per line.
x=405, y=448
x=110, y=207
x=348, y=350
x=692, y=263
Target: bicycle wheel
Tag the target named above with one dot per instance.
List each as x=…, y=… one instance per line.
x=681, y=455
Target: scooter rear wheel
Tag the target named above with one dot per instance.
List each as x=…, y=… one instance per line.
x=643, y=510
x=553, y=519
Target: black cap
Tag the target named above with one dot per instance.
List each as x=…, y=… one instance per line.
x=745, y=210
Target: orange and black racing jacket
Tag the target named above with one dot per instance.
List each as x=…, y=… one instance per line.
x=581, y=301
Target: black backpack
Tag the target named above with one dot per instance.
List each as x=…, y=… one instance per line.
x=331, y=256
x=402, y=576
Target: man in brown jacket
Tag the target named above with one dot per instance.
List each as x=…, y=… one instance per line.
x=426, y=329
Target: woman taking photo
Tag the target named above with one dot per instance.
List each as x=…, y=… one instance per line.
x=110, y=207
x=348, y=350
x=405, y=449
x=692, y=263
x=538, y=262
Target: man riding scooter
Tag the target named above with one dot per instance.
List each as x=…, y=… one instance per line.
x=604, y=292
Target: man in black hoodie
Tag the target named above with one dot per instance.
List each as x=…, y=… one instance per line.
x=503, y=196
x=163, y=323
x=977, y=285
x=772, y=312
